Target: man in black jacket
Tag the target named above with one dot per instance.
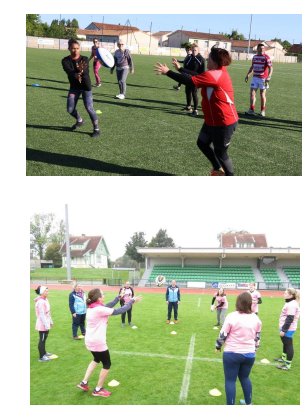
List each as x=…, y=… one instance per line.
x=195, y=63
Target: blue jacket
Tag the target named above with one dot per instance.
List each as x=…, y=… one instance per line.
x=172, y=296
x=77, y=305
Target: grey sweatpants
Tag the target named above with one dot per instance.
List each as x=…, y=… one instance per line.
x=121, y=78
x=221, y=311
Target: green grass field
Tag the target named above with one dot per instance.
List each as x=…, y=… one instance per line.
x=82, y=274
x=147, y=134
x=140, y=357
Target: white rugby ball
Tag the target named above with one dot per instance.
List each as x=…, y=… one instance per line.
x=213, y=308
x=160, y=280
x=105, y=57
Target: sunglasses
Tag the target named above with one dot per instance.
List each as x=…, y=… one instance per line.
x=95, y=42
x=119, y=44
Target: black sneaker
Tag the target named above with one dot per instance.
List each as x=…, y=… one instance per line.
x=279, y=359
x=217, y=324
x=96, y=133
x=194, y=114
x=77, y=125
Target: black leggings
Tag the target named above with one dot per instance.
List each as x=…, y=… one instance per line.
x=42, y=341
x=191, y=91
x=217, y=156
x=103, y=357
x=288, y=347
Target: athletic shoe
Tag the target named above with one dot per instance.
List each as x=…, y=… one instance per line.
x=123, y=325
x=168, y=321
x=176, y=321
x=130, y=324
x=219, y=172
x=95, y=134
x=283, y=368
x=76, y=338
x=194, y=114
x=279, y=359
x=176, y=87
x=101, y=393
x=122, y=96
x=217, y=324
x=77, y=125
x=83, y=386
x=96, y=85
x=242, y=401
x=262, y=112
x=44, y=358
x=250, y=112
x=47, y=354
x=187, y=109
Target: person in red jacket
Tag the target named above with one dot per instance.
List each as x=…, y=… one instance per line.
x=220, y=115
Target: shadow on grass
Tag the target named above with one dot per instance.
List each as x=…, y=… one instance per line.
x=86, y=163
x=46, y=80
x=269, y=122
x=57, y=128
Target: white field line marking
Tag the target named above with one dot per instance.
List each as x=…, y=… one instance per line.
x=167, y=356
x=198, y=303
x=186, y=379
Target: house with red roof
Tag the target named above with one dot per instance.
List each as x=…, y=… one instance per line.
x=295, y=48
x=243, y=240
x=86, y=252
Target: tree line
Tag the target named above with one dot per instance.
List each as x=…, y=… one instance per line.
x=57, y=29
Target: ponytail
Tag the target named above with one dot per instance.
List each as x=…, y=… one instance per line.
x=38, y=290
x=93, y=296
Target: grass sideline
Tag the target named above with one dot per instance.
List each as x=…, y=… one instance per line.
x=148, y=380
x=147, y=134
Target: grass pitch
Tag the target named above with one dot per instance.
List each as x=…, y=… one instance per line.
x=150, y=363
x=147, y=134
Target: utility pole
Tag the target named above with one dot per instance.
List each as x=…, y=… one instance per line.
x=60, y=32
x=150, y=38
x=248, y=50
x=67, y=244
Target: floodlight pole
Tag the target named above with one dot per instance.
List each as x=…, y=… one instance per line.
x=248, y=50
x=67, y=244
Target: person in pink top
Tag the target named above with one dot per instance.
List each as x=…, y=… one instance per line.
x=288, y=325
x=95, y=338
x=256, y=298
x=96, y=63
x=44, y=321
x=128, y=293
x=241, y=335
x=222, y=305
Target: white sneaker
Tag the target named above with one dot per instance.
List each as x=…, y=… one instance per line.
x=121, y=97
x=118, y=96
x=44, y=358
x=250, y=112
x=262, y=112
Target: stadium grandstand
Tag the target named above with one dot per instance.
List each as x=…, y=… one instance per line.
x=240, y=259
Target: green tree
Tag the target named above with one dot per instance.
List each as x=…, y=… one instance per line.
x=137, y=240
x=286, y=45
x=59, y=234
x=52, y=253
x=40, y=227
x=74, y=23
x=125, y=261
x=161, y=240
x=32, y=24
x=234, y=35
x=229, y=232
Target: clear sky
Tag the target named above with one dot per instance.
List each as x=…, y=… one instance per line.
x=264, y=26
x=191, y=209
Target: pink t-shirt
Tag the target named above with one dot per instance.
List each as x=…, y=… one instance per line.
x=255, y=295
x=42, y=304
x=241, y=329
x=127, y=295
x=97, y=320
x=290, y=308
x=220, y=299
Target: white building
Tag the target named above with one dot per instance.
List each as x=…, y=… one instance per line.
x=86, y=252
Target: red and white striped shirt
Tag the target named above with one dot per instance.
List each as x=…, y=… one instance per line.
x=260, y=64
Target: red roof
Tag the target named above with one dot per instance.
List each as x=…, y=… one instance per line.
x=203, y=35
x=79, y=240
x=114, y=27
x=229, y=240
x=296, y=48
x=243, y=43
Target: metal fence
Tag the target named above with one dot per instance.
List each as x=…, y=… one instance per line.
x=84, y=281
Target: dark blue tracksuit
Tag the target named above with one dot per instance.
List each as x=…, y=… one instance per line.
x=173, y=296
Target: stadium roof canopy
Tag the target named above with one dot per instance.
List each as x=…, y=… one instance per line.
x=180, y=252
